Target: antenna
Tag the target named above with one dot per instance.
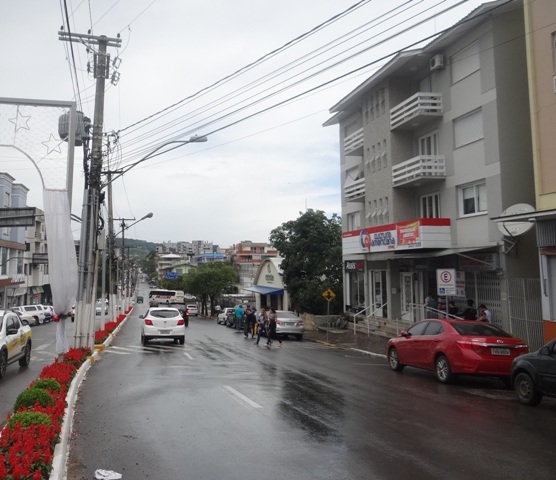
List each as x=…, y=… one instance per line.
x=514, y=229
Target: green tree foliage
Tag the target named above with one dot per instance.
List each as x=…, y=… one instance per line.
x=312, y=250
x=208, y=282
x=148, y=264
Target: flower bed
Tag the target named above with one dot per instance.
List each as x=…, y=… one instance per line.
x=33, y=429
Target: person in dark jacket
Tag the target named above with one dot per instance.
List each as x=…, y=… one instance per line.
x=272, y=328
x=470, y=313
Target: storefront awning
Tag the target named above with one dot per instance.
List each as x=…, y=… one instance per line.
x=265, y=290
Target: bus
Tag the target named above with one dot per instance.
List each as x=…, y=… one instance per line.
x=161, y=296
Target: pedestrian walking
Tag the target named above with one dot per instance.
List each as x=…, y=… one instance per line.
x=272, y=328
x=249, y=322
x=261, y=325
x=238, y=317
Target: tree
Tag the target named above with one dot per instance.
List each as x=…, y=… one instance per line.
x=312, y=250
x=208, y=282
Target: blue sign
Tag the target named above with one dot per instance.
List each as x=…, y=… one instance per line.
x=171, y=275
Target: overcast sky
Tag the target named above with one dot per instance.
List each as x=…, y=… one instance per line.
x=214, y=68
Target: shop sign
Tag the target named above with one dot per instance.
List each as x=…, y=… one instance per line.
x=354, y=266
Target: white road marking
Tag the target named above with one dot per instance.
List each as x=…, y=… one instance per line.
x=242, y=397
x=188, y=356
x=38, y=348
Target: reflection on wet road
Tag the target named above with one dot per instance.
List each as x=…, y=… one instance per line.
x=219, y=407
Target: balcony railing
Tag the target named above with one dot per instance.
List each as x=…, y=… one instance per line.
x=355, y=191
x=419, y=170
x=353, y=144
x=416, y=110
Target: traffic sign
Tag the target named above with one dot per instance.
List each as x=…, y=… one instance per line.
x=171, y=275
x=446, y=281
x=328, y=295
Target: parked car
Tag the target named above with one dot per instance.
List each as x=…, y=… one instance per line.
x=32, y=321
x=162, y=322
x=534, y=374
x=288, y=323
x=100, y=305
x=15, y=341
x=193, y=309
x=48, y=312
x=453, y=347
x=39, y=313
x=223, y=315
x=139, y=299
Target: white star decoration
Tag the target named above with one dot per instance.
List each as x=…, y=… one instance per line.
x=20, y=121
x=52, y=145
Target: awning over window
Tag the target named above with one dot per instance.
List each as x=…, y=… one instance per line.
x=266, y=290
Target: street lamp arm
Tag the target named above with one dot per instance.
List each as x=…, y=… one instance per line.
x=148, y=215
x=156, y=152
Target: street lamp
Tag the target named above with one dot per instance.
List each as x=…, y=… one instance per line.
x=156, y=152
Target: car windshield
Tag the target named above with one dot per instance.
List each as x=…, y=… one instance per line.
x=479, y=328
x=284, y=314
x=168, y=313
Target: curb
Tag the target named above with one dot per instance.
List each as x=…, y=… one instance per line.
x=351, y=349
x=60, y=456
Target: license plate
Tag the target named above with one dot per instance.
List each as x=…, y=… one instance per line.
x=500, y=351
x=167, y=332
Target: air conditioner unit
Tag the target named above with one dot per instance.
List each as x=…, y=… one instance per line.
x=437, y=62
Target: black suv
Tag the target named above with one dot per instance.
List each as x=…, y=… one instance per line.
x=534, y=374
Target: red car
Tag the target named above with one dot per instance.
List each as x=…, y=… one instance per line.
x=452, y=347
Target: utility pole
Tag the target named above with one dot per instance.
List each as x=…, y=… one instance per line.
x=88, y=253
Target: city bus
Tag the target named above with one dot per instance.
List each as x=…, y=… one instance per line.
x=161, y=296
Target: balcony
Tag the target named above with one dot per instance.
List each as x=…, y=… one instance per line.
x=418, y=171
x=353, y=144
x=355, y=191
x=417, y=110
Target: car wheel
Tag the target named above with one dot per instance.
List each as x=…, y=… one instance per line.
x=26, y=360
x=526, y=390
x=394, y=360
x=39, y=320
x=3, y=363
x=144, y=340
x=182, y=340
x=443, y=370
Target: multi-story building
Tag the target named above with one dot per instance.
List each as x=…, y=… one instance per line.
x=433, y=146
x=248, y=256
x=23, y=254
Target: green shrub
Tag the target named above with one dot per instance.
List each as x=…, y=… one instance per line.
x=47, y=384
x=28, y=418
x=29, y=397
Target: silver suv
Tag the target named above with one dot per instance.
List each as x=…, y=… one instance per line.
x=39, y=313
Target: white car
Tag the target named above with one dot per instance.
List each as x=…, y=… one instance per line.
x=38, y=312
x=15, y=340
x=192, y=309
x=163, y=322
x=223, y=315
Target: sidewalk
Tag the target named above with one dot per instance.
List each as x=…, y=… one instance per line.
x=346, y=338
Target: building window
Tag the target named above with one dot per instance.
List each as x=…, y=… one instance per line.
x=465, y=62
x=468, y=129
x=428, y=144
x=472, y=199
x=383, y=155
x=430, y=206
x=353, y=221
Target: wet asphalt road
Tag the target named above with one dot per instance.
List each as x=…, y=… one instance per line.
x=220, y=408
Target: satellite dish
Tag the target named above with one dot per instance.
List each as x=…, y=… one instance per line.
x=515, y=228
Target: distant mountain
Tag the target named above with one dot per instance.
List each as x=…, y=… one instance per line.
x=137, y=248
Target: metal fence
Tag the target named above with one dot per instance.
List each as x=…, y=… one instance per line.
x=525, y=309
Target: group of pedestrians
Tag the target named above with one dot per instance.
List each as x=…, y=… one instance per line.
x=257, y=323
